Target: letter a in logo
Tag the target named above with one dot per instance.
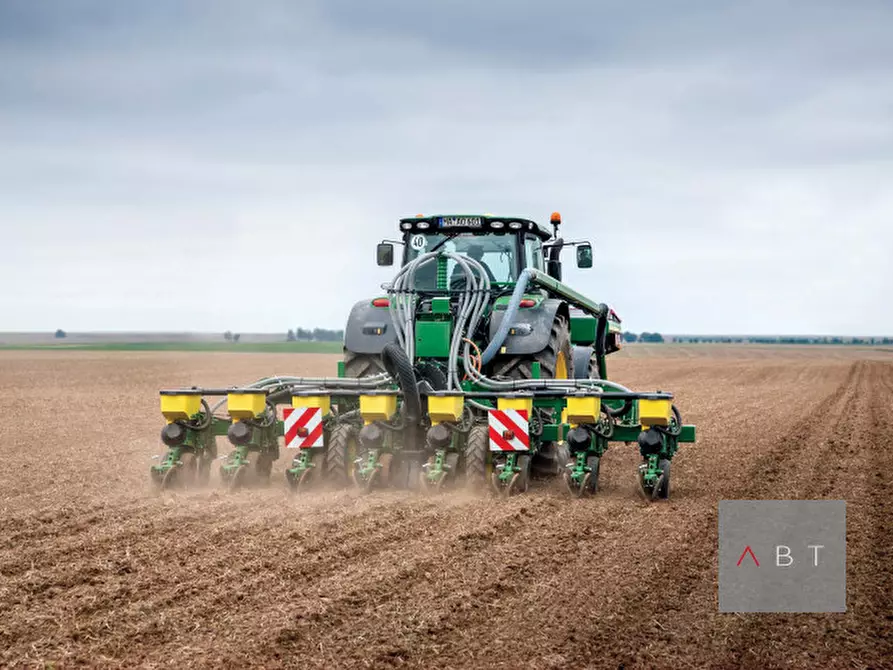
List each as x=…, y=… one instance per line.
x=748, y=550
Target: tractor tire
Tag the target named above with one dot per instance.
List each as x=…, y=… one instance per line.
x=594, y=463
x=340, y=454
x=556, y=359
x=431, y=373
x=362, y=365
x=477, y=456
x=584, y=363
x=263, y=468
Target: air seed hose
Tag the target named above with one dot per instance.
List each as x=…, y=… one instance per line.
x=206, y=412
x=396, y=362
x=510, y=312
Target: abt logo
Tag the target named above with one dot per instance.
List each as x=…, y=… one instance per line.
x=782, y=556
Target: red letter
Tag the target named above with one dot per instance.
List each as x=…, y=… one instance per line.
x=748, y=550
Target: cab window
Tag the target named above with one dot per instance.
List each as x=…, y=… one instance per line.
x=533, y=252
x=496, y=252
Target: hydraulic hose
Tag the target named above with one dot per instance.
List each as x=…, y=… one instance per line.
x=471, y=306
x=678, y=430
x=268, y=418
x=510, y=312
x=623, y=409
x=204, y=423
x=472, y=303
x=536, y=384
x=397, y=364
x=601, y=331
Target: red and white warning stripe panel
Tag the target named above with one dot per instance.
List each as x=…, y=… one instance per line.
x=303, y=427
x=509, y=430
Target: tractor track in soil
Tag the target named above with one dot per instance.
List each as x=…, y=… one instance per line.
x=848, y=464
x=96, y=570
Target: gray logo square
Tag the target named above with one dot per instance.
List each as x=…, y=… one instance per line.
x=782, y=556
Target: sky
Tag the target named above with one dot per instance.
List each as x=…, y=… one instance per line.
x=220, y=165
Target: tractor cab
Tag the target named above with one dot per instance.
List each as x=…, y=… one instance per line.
x=503, y=245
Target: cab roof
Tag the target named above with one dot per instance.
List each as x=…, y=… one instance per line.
x=472, y=223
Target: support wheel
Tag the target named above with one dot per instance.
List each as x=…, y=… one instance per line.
x=182, y=474
x=427, y=486
x=640, y=480
x=589, y=483
x=661, y=489
x=300, y=482
x=594, y=464
x=247, y=473
x=519, y=482
x=340, y=454
x=309, y=476
x=367, y=485
x=477, y=458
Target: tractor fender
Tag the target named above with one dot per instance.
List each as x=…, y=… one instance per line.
x=368, y=328
x=533, y=326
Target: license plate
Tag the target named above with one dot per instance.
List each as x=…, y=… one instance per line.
x=460, y=222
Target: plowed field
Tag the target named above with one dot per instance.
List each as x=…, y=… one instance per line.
x=97, y=569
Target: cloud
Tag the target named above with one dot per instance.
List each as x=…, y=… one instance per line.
x=735, y=155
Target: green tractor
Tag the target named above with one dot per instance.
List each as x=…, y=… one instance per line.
x=478, y=367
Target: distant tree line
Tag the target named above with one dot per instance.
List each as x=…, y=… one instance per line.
x=755, y=339
x=315, y=335
x=763, y=339
x=644, y=337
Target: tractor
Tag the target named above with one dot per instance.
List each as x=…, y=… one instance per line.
x=477, y=367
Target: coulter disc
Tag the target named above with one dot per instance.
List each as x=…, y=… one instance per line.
x=170, y=478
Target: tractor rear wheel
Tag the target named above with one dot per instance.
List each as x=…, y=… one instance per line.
x=477, y=455
x=340, y=454
x=555, y=359
x=362, y=365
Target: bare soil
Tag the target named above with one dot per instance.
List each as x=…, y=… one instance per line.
x=97, y=569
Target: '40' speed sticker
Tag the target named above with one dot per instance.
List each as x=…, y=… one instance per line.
x=418, y=242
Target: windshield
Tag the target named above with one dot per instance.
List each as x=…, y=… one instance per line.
x=495, y=251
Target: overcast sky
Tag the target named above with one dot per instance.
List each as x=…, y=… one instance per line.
x=212, y=165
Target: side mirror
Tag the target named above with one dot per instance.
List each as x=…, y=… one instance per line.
x=584, y=255
x=384, y=254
